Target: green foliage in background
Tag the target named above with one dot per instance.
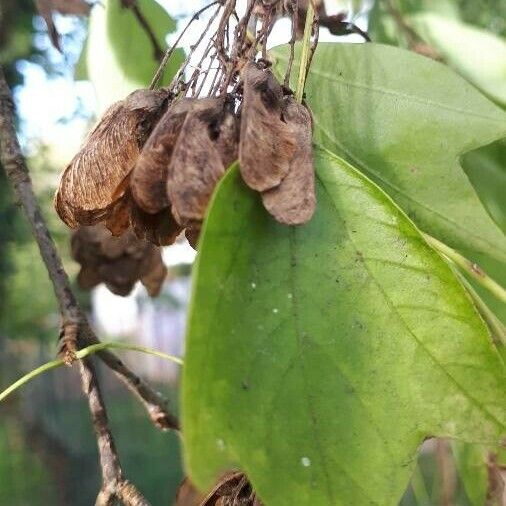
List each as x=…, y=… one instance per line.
x=23, y=474
x=119, y=56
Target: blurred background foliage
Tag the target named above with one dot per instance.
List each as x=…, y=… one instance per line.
x=47, y=449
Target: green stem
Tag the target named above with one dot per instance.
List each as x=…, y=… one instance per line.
x=474, y=270
x=85, y=352
x=304, y=55
x=496, y=327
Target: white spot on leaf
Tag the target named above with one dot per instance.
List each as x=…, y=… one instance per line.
x=305, y=461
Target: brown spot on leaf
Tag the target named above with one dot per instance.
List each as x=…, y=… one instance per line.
x=266, y=145
x=293, y=201
x=88, y=187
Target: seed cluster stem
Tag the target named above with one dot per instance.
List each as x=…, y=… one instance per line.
x=305, y=53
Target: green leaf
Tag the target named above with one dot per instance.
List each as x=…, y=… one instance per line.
x=486, y=169
x=119, y=54
x=384, y=28
x=319, y=357
x=404, y=120
x=476, y=54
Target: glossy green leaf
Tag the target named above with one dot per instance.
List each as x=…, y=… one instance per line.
x=119, y=54
x=404, y=120
x=476, y=54
x=319, y=357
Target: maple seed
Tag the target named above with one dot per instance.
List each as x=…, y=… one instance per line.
x=119, y=262
x=149, y=177
x=160, y=228
x=266, y=146
x=293, y=202
x=88, y=187
x=233, y=488
x=207, y=143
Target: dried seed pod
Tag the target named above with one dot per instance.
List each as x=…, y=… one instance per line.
x=149, y=177
x=293, y=202
x=88, y=186
x=232, y=489
x=152, y=272
x=227, y=143
x=160, y=229
x=118, y=219
x=197, y=163
x=266, y=146
x=119, y=262
x=192, y=235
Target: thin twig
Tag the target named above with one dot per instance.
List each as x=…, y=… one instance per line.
x=171, y=49
x=240, y=35
x=295, y=21
x=316, y=35
x=412, y=37
x=180, y=72
x=471, y=268
x=16, y=170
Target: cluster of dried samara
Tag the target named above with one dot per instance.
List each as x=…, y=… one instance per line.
x=119, y=262
x=153, y=160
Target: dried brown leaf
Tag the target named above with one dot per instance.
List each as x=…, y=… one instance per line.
x=88, y=186
x=293, y=201
x=149, y=177
x=266, y=146
x=46, y=8
x=197, y=163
